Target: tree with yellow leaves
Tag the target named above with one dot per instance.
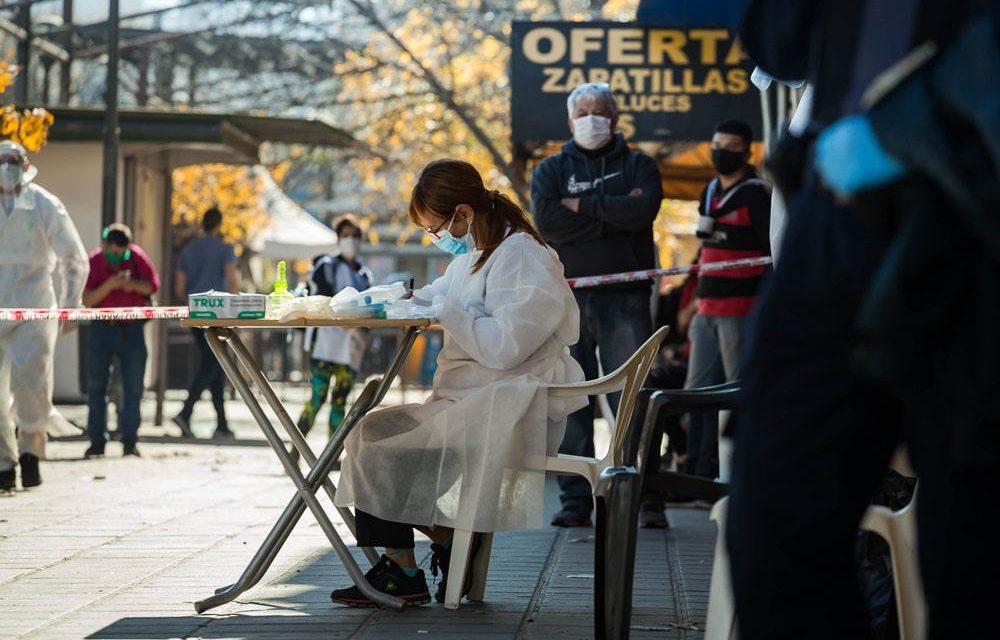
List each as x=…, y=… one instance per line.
x=30, y=127
x=431, y=79
x=235, y=190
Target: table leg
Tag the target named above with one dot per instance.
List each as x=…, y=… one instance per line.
x=305, y=487
x=298, y=440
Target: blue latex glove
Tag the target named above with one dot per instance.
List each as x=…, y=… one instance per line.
x=850, y=159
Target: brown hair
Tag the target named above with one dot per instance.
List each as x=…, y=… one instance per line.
x=445, y=184
x=343, y=221
x=117, y=234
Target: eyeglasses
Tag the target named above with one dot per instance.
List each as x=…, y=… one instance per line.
x=435, y=233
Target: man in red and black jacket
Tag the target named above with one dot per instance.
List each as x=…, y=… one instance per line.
x=734, y=222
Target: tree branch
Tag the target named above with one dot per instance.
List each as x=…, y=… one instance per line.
x=447, y=97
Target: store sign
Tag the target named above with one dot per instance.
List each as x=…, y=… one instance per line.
x=671, y=84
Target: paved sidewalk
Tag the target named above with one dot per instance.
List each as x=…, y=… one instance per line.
x=121, y=548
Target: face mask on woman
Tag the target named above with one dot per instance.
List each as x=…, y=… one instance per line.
x=448, y=243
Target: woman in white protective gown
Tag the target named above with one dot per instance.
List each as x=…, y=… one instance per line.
x=473, y=455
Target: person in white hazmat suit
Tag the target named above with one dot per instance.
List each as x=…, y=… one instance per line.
x=39, y=249
x=473, y=455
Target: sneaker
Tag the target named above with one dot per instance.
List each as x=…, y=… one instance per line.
x=223, y=433
x=651, y=516
x=30, y=475
x=184, y=423
x=572, y=516
x=387, y=577
x=441, y=558
x=94, y=450
x=8, y=479
x=131, y=450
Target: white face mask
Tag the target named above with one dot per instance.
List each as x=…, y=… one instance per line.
x=591, y=132
x=349, y=248
x=10, y=176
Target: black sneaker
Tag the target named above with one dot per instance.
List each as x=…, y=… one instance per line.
x=184, y=423
x=441, y=558
x=95, y=450
x=8, y=480
x=387, y=577
x=131, y=450
x=223, y=433
x=651, y=516
x=30, y=475
x=572, y=516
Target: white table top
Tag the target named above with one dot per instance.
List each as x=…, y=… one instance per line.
x=370, y=323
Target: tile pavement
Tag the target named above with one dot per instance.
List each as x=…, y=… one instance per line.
x=121, y=548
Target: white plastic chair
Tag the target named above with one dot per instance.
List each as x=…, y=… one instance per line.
x=898, y=528
x=629, y=378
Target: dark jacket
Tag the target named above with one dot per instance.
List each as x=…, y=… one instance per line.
x=613, y=231
x=323, y=280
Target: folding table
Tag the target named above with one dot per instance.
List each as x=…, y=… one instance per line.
x=245, y=373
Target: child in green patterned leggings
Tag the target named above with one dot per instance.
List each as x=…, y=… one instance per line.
x=327, y=378
x=335, y=352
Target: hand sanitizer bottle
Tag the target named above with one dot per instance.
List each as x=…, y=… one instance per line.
x=280, y=294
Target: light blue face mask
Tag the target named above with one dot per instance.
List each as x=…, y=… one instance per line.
x=450, y=244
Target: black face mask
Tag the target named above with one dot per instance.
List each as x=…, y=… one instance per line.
x=726, y=161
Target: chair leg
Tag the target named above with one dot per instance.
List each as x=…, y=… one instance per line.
x=617, y=495
x=600, y=568
x=899, y=529
x=481, y=568
x=721, y=618
x=906, y=572
x=461, y=544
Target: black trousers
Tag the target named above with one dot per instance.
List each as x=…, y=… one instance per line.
x=376, y=532
x=814, y=438
x=208, y=376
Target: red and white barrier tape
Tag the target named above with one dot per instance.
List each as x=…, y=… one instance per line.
x=176, y=313
x=650, y=274
x=110, y=313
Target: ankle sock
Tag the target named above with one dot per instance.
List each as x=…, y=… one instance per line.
x=410, y=572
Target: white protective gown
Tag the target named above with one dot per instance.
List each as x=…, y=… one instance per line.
x=472, y=456
x=39, y=247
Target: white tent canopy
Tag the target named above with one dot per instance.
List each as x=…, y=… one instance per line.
x=292, y=233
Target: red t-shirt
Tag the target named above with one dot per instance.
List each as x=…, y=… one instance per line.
x=141, y=269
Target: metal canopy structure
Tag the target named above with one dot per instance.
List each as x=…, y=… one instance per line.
x=74, y=124
x=206, y=54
